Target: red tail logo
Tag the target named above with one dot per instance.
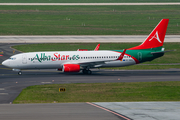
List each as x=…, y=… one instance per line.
x=156, y=37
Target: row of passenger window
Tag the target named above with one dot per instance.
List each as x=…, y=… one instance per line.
x=100, y=57
x=104, y=57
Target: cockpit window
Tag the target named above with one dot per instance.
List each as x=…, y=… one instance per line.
x=12, y=58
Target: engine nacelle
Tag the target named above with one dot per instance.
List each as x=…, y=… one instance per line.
x=71, y=68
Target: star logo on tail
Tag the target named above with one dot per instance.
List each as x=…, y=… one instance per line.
x=156, y=36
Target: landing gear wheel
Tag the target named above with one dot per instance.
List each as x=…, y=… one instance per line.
x=19, y=73
x=89, y=72
x=84, y=71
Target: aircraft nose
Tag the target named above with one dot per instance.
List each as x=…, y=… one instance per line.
x=5, y=63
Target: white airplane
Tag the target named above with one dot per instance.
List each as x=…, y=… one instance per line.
x=74, y=61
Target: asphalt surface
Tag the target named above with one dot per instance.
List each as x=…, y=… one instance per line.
x=82, y=39
x=11, y=84
x=58, y=111
x=7, y=51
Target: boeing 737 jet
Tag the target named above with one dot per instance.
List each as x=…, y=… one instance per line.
x=74, y=61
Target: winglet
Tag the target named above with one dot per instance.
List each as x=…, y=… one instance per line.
x=97, y=47
x=122, y=55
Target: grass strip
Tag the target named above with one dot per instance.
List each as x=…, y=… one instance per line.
x=101, y=92
x=86, y=20
x=84, y=1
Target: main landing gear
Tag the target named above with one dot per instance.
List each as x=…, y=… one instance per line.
x=87, y=71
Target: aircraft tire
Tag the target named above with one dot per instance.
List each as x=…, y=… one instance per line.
x=84, y=71
x=89, y=72
x=19, y=73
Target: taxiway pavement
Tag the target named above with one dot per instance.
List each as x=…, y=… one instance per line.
x=55, y=111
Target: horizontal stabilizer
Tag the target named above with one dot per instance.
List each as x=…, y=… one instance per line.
x=161, y=52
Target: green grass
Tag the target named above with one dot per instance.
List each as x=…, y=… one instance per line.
x=170, y=57
x=98, y=20
x=83, y=1
x=101, y=92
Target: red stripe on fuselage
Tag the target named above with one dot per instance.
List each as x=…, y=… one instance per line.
x=136, y=60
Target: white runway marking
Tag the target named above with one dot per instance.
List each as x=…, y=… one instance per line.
x=90, y=3
x=46, y=82
x=4, y=94
x=82, y=39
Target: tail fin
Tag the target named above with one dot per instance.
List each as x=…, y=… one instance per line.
x=156, y=37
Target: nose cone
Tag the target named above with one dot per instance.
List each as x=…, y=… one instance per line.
x=5, y=63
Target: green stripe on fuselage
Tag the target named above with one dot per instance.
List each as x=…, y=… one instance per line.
x=144, y=55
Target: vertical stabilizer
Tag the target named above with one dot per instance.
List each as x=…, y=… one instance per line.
x=156, y=37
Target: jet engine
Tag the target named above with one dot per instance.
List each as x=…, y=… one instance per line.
x=71, y=68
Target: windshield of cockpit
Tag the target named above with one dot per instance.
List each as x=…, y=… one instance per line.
x=12, y=58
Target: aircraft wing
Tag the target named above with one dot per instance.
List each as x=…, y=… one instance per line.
x=92, y=64
x=96, y=49
x=99, y=63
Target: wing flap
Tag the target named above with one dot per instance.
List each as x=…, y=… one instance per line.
x=99, y=63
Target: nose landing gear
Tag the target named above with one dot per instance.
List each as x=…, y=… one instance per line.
x=19, y=73
x=18, y=70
